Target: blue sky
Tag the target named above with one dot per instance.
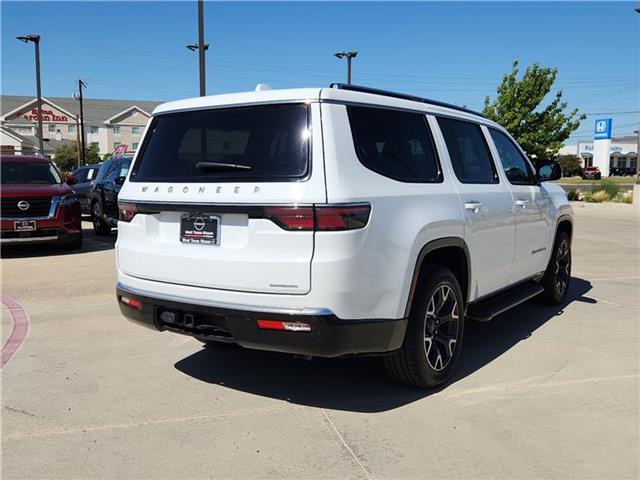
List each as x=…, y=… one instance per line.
x=454, y=52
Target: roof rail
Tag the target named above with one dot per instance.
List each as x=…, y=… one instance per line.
x=386, y=93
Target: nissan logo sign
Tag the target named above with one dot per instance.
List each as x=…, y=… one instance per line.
x=23, y=205
x=199, y=223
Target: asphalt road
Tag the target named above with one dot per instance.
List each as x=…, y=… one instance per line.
x=540, y=392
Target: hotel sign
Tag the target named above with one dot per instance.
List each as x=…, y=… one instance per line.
x=47, y=116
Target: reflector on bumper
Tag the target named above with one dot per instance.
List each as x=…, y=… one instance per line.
x=289, y=326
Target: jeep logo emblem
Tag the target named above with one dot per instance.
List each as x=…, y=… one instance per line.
x=23, y=205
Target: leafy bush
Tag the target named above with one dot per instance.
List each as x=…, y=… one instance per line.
x=65, y=155
x=623, y=197
x=599, y=197
x=608, y=185
x=571, y=165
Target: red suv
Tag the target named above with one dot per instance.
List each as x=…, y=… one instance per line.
x=591, y=173
x=37, y=206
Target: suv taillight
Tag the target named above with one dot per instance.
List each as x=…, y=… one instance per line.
x=126, y=212
x=325, y=218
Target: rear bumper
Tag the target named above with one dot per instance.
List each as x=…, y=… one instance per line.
x=329, y=336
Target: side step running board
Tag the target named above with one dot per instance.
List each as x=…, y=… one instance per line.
x=485, y=310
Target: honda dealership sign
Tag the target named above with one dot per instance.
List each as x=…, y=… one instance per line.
x=603, y=129
x=602, y=144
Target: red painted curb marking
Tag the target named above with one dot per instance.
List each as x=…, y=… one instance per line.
x=19, y=329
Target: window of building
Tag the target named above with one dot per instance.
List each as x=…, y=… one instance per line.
x=94, y=129
x=134, y=145
x=52, y=127
x=633, y=163
x=515, y=165
x=135, y=130
x=395, y=144
x=23, y=130
x=622, y=162
x=116, y=130
x=72, y=128
x=468, y=151
x=116, y=145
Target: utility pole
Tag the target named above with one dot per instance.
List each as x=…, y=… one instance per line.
x=36, y=41
x=78, y=140
x=201, y=47
x=349, y=56
x=78, y=97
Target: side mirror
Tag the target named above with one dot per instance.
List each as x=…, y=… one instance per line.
x=548, y=171
x=120, y=180
x=71, y=180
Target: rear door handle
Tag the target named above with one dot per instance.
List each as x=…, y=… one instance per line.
x=522, y=203
x=473, y=206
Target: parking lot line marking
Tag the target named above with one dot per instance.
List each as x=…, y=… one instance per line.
x=162, y=421
x=345, y=444
x=19, y=329
x=604, y=279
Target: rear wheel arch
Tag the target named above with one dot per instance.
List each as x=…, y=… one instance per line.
x=449, y=252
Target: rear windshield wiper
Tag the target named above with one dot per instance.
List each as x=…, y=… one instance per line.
x=221, y=166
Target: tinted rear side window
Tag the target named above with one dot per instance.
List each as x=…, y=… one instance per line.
x=395, y=144
x=261, y=143
x=468, y=151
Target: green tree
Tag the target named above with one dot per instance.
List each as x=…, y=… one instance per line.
x=540, y=130
x=570, y=164
x=65, y=156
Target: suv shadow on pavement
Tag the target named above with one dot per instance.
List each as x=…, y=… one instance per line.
x=359, y=384
x=90, y=243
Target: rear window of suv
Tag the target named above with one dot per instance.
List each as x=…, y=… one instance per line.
x=264, y=143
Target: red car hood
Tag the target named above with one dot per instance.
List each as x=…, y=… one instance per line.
x=16, y=191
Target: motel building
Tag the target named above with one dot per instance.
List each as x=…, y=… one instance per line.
x=107, y=123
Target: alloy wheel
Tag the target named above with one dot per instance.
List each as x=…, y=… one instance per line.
x=563, y=265
x=441, y=327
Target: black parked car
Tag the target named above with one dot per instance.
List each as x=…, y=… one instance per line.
x=104, y=194
x=83, y=177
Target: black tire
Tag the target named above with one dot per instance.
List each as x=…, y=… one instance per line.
x=437, y=297
x=100, y=227
x=557, y=277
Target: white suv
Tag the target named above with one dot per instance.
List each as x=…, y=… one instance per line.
x=336, y=221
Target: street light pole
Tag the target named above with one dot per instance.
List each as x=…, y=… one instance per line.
x=201, y=47
x=36, y=41
x=349, y=56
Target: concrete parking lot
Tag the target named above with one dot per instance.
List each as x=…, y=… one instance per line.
x=541, y=392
